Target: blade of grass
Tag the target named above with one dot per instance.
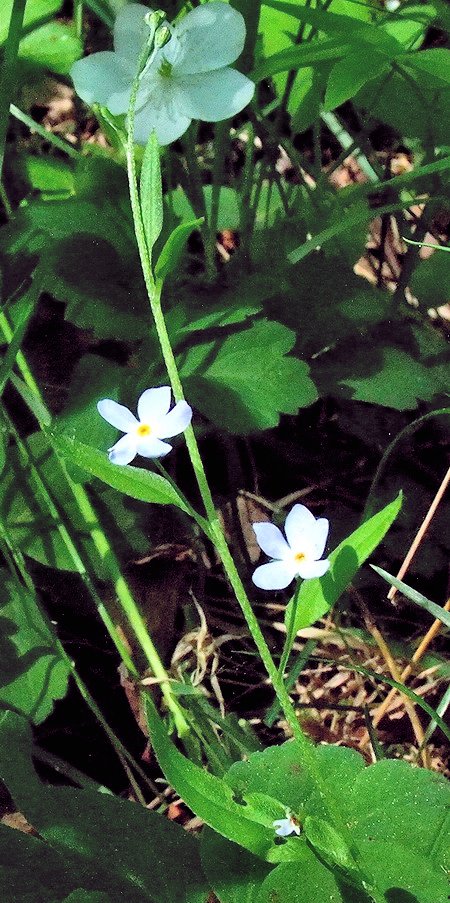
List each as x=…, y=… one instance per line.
x=8, y=78
x=296, y=670
x=414, y=596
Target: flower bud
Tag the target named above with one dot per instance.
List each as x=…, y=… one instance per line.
x=162, y=36
x=154, y=18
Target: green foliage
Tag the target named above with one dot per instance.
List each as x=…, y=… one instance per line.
x=151, y=193
x=93, y=841
x=54, y=46
x=317, y=596
x=33, y=673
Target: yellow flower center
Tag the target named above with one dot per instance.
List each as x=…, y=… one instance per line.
x=299, y=557
x=144, y=429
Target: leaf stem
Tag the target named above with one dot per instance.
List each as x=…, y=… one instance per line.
x=291, y=632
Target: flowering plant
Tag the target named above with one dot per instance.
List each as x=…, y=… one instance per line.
x=144, y=436
x=297, y=555
x=188, y=78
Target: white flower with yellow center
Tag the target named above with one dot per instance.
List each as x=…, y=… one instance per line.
x=188, y=78
x=297, y=555
x=144, y=436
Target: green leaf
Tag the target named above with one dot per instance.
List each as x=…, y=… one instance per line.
x=299, y=56
x=208, y=796
x=31, y=400
x=150, y=189
x=49, y=176
x=399, y=804
x=132, y=481
x=303, y=882
x=32, y=672
x=430, y=280
x=434, y=62
x=328, y=843
x=120, y=848
x=234, y=874
x=172, y=250
x=246, y=380
x=23, y=856
x=54, y=46
x=436, y=610
x=351, y=73
x=401, y=875
x=319, y=595
x=35, y=12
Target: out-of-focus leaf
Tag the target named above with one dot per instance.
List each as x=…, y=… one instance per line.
x=32, y=672
x=35, y=12
x=172, y=250
x=54, y=46
x=418, y=598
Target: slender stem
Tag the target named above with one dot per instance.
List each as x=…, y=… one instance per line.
x=154, y=294
x=78, y=17
x=290, y=636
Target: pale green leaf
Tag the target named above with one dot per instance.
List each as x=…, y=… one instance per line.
x=150, y=189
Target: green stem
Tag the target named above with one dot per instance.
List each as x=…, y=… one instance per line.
x=9, y=71
x=78, y=17
x=290, y=636
x=307, y=749
x=44, y=133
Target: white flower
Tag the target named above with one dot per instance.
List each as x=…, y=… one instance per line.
x=296, y=556
x=188, y=78
x=286, y=826
x=156, y=422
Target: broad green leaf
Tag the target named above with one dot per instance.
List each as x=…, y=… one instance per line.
x=120, y=847
x=330, y=846
x=430, y=280
x=49, y=176
x=35, y=12
x=234, y=874
x=436, y=610
x=54, y=46
x=401, y=874
x=434, y=62
x=208, y=796
x=138, y=484
x=172, y=250
x=390, y=797
x=33, y=675
x=32, y=872
x=279, y=772
x=351, y=73
x=228, y=213
x=303, y=882
x=246, y=380
x=319, y=595
x=150, y=189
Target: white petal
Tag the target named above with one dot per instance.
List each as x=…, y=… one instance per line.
x=283, y=827
x=151, y=447
x=166, y=121
x=300, y=523
x=309, y=569
x=213, y=96
x=271, y=540
x=211, y=36
x=320, y=536
x=175, y=421
x=102, y=78
x=275, y=575
x=154, y=404
x=117, y=415
x=124, y=450
x=130, y=32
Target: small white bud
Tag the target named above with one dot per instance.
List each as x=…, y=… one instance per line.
x=162, y=36
x=154, y=19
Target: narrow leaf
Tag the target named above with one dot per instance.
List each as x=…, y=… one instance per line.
x=319, y=595
x=32, y=401
x=151, y=192
x=415, y=596
x=170, y=255
x=209, y=797
x=132, y=481
x=299, y=56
